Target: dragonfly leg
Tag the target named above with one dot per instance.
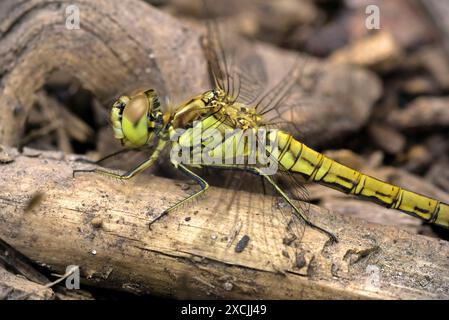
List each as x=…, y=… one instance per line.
x=202, y=183
x=131, y=173
x=283, y=195
x=297, y=211
x=112, y=155
x=128, y=175
x=121, y=151
x=116, y=153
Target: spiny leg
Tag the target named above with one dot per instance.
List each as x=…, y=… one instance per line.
x=282, y=194
x=127, y=175
x=114, y=154
x=297, y=211
x=203, y=184
x=122, y=151
x=131, y=173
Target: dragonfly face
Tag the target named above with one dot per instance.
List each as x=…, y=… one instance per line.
x=136, y=119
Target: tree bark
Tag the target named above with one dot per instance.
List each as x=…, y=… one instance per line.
x=13, y=287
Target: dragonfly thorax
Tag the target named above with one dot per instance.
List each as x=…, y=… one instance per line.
x=241, y=115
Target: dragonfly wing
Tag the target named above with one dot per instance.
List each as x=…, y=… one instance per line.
x=251, y=74
x=234, y=65
x=281, y=104
x=255, y=211
x=237, y=67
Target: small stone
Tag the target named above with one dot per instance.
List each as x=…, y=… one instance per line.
x=32, y=153
x=289, y=239
x=5, y=158
x=241, y=245
x=300, y=260
x=387, y=138
x=97, y=222
x=376, y=50
x=228, y=286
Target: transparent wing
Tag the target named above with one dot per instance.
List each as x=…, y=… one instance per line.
x=237, y=67
x=289, y=103
x=256, y=211
x=234, y=65
x=251, y=75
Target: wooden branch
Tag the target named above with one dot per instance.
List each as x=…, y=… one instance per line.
x=19, y=280
x=13, y=287
x=19, y=264
x=102, y=225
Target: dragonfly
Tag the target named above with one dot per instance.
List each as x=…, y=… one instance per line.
x=235, y=104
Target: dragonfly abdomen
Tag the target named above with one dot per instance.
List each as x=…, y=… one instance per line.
x=313, y=166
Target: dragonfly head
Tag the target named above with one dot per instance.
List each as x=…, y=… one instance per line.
x=136, y=119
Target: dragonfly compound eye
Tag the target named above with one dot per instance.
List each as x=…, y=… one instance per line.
x=129, y=120
x=116, y=116
x=134, y=124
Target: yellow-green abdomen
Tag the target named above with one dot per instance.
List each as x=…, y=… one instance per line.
x=296, y=157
